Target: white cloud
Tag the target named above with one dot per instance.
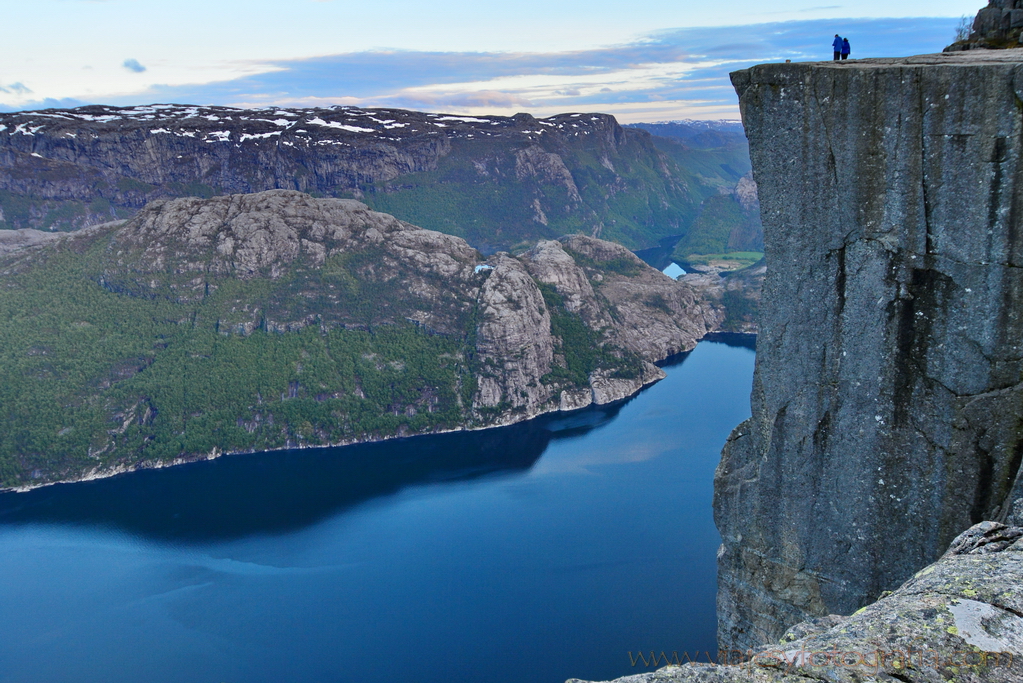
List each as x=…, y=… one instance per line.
x=670, y=74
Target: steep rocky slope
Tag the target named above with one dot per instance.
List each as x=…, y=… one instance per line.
x=888, y=394
x=275, y=319
x=958, y=619
x=496, y=181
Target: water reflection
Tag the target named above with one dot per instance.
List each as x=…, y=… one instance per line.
x=279, y=492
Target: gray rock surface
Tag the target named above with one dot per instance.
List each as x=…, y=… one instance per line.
x=514, y=339
x=888, y=393
x=183, y=248
x=644, y=304
x=549, y=263
x=959, y=619
x=996, y=26
x=12, y=241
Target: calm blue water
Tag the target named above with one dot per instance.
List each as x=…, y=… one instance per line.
x=530, y=553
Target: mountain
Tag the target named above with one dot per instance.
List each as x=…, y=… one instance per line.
x=698, y=134
x=728, y=220
x=276, y=319
x=498, y=182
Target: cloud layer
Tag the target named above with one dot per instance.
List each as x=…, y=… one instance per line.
x=667, y=75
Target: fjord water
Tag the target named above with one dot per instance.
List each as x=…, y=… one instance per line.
x=536, y=552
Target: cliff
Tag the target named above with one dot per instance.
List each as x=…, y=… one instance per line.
x=957, y=619
x=495, y=181
x=888, y=394
x=275, y=319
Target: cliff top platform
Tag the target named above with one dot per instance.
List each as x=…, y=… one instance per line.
x=968, y=58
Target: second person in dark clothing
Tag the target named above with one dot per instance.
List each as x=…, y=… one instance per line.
x=845, y=48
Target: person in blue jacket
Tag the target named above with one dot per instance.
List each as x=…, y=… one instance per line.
x=838, y=47
x=845, y=48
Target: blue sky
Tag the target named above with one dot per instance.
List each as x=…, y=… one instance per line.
x=642, y=61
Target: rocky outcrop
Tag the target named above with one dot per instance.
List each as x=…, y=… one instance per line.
x=496, y=181
x=186, y=249
x=514, y=340
x=549, y=263
x=402, y=330
x=960, y=619
x=888, y=392
x=735, y=293
x=997, y=26
x=644, y=308
x=19, y=240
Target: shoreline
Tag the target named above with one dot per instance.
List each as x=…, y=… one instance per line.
x=731, y=338
x=555, y=407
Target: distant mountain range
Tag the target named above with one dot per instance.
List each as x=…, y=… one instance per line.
x=499, y=182
x=698, y=134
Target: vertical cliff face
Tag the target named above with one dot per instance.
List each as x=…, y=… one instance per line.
x=888, y=395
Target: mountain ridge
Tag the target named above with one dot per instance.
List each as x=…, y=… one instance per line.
x=276, y=320
x=496, y=181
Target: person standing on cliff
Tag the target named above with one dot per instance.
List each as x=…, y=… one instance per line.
x=837, y=44
x=845, y=48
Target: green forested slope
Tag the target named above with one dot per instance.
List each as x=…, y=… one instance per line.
x=76, y=358
x=270, y=320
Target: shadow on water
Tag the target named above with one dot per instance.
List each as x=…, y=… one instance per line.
x=736, y=340
x=282, y=491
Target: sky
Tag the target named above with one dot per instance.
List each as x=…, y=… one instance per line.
x=643, y=60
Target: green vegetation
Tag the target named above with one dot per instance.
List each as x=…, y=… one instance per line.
x=740, y=310
x=740, y=259
x=108, y=364
x=710, y=232
x=581, y=349
x=623, y=265
x=92, y=379
x=22, y=211
x=723, y=225
x=491, y=205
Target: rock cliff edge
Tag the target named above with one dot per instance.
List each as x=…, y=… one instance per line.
x=888, y=394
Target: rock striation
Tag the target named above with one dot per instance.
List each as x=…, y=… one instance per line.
x=957, y=619
x=888, y=394
x=316, y=321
